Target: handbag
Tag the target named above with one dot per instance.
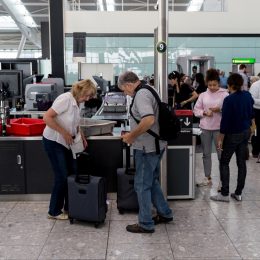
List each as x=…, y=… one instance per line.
x=77, y=146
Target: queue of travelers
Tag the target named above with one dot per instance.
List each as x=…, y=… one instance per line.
x=225, y=111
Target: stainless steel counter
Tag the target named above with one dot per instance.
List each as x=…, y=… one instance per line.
x=20, y=138
x=27, y=112
x=115, y=135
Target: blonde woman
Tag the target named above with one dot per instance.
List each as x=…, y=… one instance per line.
x=62, y=125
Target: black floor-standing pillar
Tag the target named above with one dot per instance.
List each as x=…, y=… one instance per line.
x=45, y=40
x=57, y=38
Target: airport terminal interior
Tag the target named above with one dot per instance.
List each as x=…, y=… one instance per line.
x=45, y=47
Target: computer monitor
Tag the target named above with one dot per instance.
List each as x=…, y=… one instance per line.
x=11, y=82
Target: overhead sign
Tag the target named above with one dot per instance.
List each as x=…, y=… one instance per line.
x=243, y=60
x=161, y=47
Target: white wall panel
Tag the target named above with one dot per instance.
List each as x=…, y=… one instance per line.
x=242, y=18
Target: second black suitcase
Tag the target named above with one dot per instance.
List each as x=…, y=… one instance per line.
x=255, y=149
x=126, y=195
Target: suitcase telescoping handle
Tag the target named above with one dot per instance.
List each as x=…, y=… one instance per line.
x=129, y=170
x=82, y=158
x=127, y=156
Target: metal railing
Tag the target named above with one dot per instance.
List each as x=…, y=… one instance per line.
x=144, y=5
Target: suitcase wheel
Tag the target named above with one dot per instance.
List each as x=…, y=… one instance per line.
x=121, y=211
x=97, y=224
x=71, y=221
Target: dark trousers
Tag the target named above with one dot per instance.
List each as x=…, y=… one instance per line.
x=234, y=143
x=257, y=122
x=63, y=165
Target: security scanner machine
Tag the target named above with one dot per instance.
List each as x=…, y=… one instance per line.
x=40, y=96
x=59, y=82
x=203, y=63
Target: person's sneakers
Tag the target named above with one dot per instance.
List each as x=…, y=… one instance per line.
x=236, y=197
x=206, y=182
x=160, y=219
x=220, y=197
x=62, y=216
x=135, y=228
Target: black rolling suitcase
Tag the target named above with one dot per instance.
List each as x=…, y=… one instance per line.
x=126, y=195
x=255, y=149
x=86, y=194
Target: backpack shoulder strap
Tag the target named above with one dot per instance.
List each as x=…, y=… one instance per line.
x=149, y=131
x=152, y=90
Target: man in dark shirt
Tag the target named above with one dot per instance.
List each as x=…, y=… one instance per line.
x=237, y=114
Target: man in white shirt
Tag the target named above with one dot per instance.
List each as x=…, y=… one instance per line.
x=242, y=72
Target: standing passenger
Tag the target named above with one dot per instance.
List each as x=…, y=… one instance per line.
x=237, y=114
x=223, y=79
x=243, y=73
x=147, y=161
x=208, y=109
x=255, y=92
x=184, y=94
x=62, y=124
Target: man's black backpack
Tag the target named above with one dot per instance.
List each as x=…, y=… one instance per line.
x=169, y=124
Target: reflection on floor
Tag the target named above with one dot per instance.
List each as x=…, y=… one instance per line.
x=202, y=229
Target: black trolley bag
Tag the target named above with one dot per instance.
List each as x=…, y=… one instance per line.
x=86, y=194
x=126, y=195
x=255, y=149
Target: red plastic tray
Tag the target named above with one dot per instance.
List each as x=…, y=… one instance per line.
x=27, y=126
x=183, y=112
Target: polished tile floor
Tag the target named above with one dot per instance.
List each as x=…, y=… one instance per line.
x=202, y=229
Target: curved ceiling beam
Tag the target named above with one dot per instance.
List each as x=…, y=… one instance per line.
x=31, y=33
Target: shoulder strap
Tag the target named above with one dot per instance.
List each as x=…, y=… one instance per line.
x=149, y=131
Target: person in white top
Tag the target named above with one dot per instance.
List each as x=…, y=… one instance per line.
x=255, y=92
x=243, y=73
x=62, y=125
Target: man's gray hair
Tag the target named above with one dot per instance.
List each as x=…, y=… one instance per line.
x=127, y=77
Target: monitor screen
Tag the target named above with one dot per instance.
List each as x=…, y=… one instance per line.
x=11, y=82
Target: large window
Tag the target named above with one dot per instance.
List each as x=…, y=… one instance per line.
x=137, y=53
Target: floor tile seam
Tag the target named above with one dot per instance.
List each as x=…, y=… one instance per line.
x=222, y=228
x=231, y=241
x=78, y=232
x=4, y=215
x=108, y=235
x=41, y=250
x=140, y=243
x=7, y=213
x=3, y=220
x=169, y=241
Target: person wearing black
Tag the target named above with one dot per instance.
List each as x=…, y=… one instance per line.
x=201, y=86
x=194, y=72
x=184, y=94
x=237, y=114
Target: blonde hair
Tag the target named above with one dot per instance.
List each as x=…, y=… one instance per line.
x=253, y=79
x=82, y=87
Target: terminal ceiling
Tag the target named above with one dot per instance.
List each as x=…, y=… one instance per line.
x=39, y=11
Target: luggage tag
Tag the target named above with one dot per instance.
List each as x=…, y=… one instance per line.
x=77, y=146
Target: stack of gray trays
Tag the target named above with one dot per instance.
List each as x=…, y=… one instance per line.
x=114, y=102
